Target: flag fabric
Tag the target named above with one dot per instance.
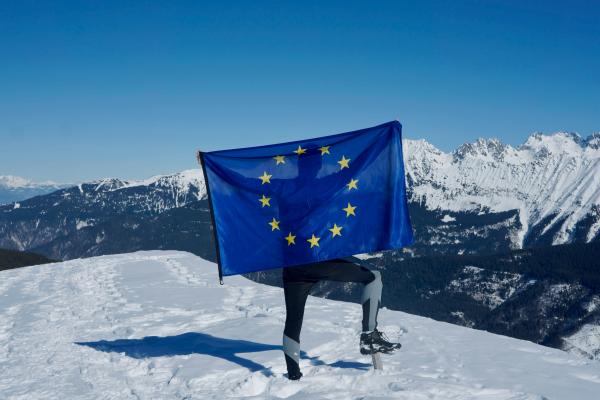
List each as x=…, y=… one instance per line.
x=307, y=201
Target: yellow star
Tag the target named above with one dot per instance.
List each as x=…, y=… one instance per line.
x=300, y=150
x=314, y=241
x=336, y=230
x=352, y=184
x=274, y=224
x=265, y=178
x=344, y=162
x=279, y=159
x=290, y=239
x=265, y=201
x=349, y=210
x=324, y=150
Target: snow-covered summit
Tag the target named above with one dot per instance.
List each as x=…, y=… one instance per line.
x=593, y=141
x=182, y=180
x=157, y=324
x=179, y=185
x=491, y=149
x=558, y=143
x=17, y=182
x=15, y=188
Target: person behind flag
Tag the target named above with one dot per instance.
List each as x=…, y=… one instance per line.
x=298, y=281
x=304, y=205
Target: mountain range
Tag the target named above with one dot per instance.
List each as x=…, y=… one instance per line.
x=14, y=188
x=483, y=197
x=552, y=181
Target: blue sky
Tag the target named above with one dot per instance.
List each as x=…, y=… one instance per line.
x=131, y=89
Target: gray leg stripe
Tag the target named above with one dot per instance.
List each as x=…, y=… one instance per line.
x=372, y=292
x=291, y=348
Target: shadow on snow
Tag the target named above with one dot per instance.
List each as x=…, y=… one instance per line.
x=201, y=343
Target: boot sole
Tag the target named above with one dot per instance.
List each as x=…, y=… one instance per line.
x=382, y=350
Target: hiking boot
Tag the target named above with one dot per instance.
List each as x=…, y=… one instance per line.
x=376, y=342
x=294, y=376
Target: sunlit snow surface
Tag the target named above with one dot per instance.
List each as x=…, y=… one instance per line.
x=157, y=325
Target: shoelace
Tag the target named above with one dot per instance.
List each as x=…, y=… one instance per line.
x=380, y=335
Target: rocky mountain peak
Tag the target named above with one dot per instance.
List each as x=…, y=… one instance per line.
x=483, y=148
x=108, y=184
x=593, y=141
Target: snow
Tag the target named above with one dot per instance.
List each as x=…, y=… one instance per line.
x=366, y=256
x=100, y=237
x=593, y=304
x=180, y=184
x=183, y=179
x=15, y=189
x=586, y=341
x=492, y=290
x=80, y=224
x=157, y=325
x=447, y=218
x=560, y=142
x=594, y=231
x=17, y=182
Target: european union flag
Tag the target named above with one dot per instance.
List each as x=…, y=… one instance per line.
x=309, y=200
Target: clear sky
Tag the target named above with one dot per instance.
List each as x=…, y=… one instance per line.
x=92, y=89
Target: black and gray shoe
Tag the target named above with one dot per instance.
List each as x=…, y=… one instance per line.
x=376, y=342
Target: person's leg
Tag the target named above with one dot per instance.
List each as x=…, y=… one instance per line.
x=371, y=301
x=371, y=340
x=297, y=282
x=345, y=271
x=295, y=299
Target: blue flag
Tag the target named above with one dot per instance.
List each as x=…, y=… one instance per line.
x=309, y=200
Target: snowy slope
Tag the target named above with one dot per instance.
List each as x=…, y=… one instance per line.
x=157, y=325
x=553, y=180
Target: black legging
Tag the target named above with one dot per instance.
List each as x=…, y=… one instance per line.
x=297, y=282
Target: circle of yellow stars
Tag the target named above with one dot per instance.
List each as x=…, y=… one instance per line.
x=335, y=230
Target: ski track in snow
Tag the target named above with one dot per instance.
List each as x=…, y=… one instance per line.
x=215, y=342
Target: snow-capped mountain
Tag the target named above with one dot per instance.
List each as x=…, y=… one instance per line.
x=180, y=187
x=484, y=197
x=157, y=324
x=553, y=181
x=103, y=204
x=14, y=188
